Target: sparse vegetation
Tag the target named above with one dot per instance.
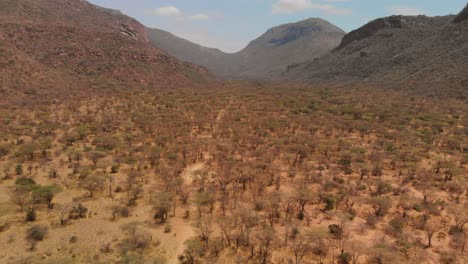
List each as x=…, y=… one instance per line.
x=251, y=179
x=237, y=172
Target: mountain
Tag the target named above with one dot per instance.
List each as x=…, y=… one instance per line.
x=213, y=59
x=262, y=58
x=57, y=43
x=463, y=16
x=424, y=53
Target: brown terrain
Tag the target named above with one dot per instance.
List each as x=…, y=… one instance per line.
x=113, y=151
x=62, y=43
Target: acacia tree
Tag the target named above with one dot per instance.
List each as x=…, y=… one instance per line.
x=381, y=205
x=134, y=189
x=271, y=204
x=62, y=212
x=205, y=225
x=303, y=196
x=430, y=228
x=460, y=216
x=92, y=183
x=356, y=248
x=300, y=247
x=95, y=156
x=406, y=204
x=202, y=199
x=265, y=237
x=193, y=251
x=45, y=194
x=319, y=238
x=288, y=205
x=162, y=204
x=226, y=226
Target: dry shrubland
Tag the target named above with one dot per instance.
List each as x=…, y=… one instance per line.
x=242, y=173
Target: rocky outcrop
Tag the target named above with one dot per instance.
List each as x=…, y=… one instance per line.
x=370, y=29
x=463, y=16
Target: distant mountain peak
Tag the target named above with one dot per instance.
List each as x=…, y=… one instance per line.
x=310, y=23
x=271, y=52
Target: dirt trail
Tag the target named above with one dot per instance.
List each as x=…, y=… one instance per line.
x=220, y=116
x=4, y=194
x=174, y=246
x=187, y=175
x=182, y=230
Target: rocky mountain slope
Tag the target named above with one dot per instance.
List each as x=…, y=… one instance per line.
x=60, y=43
x=425, y=53
x=263, y=57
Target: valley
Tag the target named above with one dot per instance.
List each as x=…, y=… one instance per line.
x=125, y=144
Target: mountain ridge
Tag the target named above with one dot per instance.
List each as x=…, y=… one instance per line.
x=263, y=56
x=427, y=54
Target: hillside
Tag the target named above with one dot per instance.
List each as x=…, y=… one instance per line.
x=423, y=53
x=263, y=57
x=212, y=59
x=72, y=42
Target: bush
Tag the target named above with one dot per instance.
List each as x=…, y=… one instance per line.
x=121, y=211
x=24, y=181
x=329, y=202
x=31, y=215
x=4, y=150
x=294, y=232
x=136, y=238
x=19, y=169
x=78, y=211
x=35, y=234
x=73, y=239
x=344, y=258
x=395, y=226
x=372, y=220
x=335, y=230
x=115, y=169
x=453, y=230
x=338, y=180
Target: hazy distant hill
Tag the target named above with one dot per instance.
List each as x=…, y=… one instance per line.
x=263, y=57
x=213, y=59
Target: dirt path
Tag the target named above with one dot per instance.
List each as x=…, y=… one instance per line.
x=182, y=229
x=4, y=194
x=187, y=175
x=220, y=116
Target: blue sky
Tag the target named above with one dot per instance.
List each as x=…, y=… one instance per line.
x=231, y=24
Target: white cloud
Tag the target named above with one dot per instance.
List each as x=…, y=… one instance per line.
x=405, y=10
x=198, y=17
x=294, y=6
x=290, y=6
x=170, y=11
